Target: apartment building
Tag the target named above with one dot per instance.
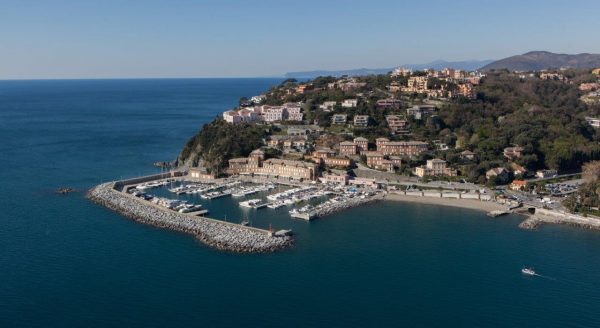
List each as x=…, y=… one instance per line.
x=435, y=167
x=402, y=148
x=361, y=121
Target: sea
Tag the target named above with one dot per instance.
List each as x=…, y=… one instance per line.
x=66, y=262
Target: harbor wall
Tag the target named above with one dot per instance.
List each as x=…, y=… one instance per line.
x=220, y=235
x=137, y=180
x=542, y=216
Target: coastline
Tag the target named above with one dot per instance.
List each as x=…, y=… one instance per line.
x=472, y=204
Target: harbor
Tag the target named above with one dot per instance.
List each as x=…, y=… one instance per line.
x=181, y=216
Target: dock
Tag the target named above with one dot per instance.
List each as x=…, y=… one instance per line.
x=304, y=216
x=495, y=214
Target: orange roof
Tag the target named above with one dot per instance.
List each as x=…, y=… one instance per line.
x=519, y=182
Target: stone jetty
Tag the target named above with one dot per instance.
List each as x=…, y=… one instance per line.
x=217, y=234
x=347, y=203
x=543, y=216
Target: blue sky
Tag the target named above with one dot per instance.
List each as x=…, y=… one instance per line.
x=131, y=38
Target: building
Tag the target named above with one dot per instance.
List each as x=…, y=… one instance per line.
x=362, y=144
x=586, y=87
x=298, y=131
x=552, y=76
x=402, y=148
x=435, y=167
x=499, y=173
x=596, y=71
x=518, y=185
x=388, y=104
x=465, y=90
x=232, y=117
x=350, y=85
x=256, y=164
x=394, y=87
x=337, y=179
x=396, y=124
x=544, y=174
x=467, y=154
x=342, y=162
x=416, y=84
x=323, y=153
x=350, y=103
x=328, y=105
x=380, y=142
x=258, y=99
x=401, y=71
x=420, y=111
x=396, y=161
x=339, y=119
x=288, y=169
x=513, y=152
x=200, y=173
x=361, y=121
x=274, y=113
x=348, y=148
x=594, y=122
x=374, y=158
x=518, y=169
x=364, y=182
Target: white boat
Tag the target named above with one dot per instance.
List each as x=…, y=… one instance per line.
x=190, y=209
x=276, y=205
x=528, y=271
x=251, y=203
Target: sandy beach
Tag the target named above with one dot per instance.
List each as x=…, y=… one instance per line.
x=473, y=204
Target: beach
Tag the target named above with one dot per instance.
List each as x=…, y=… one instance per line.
x=472, y=204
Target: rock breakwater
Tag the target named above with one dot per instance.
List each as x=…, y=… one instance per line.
x=332, y=208
x=220, y=235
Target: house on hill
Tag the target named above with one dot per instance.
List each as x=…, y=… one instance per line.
x=499, y=173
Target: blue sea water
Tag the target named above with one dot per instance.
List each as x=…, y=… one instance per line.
x=65, y=262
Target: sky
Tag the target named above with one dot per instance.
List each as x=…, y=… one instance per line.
x=227, y=38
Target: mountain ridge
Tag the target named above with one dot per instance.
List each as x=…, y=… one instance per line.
x=540, y=60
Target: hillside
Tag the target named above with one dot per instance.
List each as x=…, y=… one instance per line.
x=218, y=142
x=539, y=60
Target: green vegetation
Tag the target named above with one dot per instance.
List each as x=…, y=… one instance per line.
x=587, y=198
x=218, y=141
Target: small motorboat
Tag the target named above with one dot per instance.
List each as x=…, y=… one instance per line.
x=528, y=271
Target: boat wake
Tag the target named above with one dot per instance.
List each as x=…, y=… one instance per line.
x=530, y=272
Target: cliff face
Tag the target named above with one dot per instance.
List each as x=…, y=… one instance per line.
x=219, y=141
x=539, y=60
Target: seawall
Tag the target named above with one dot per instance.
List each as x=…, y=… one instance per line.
x=543, y=216
x=217, y=234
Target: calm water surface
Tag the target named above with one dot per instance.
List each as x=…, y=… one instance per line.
x=65, y=262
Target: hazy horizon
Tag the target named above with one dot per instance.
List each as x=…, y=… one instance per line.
x=213, y=39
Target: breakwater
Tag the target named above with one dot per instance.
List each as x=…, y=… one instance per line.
x=543, y=216
x=217, y=234
x=332, y=208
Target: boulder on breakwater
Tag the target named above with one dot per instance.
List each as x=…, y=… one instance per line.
x=220, y=235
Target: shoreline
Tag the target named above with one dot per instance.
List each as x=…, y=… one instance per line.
x=472, y=204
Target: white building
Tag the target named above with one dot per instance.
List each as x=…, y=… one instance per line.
x=350, y=103
x=339, y=119
x=328, y=105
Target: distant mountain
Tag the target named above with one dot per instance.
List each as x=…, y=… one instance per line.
x=438, y=64
x=539, y=60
